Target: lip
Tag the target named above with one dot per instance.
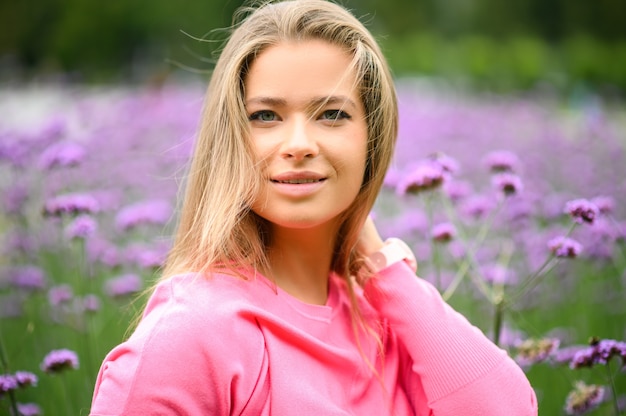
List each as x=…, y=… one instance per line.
x=298, y=183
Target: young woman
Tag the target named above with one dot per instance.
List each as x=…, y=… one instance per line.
x=279, y=296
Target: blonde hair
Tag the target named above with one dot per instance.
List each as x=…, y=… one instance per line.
x=217, y=228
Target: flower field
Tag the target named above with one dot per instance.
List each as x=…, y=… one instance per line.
x=515, y=208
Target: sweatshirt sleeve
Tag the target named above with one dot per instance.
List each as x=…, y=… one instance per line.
x=173, y=363
x=461, y=371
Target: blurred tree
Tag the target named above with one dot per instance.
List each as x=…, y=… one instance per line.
x=102, y=39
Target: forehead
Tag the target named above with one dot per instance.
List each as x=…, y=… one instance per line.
x=300, y=69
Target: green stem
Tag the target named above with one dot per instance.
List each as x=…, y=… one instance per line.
x=458, y=278
x=65, y=396
x=5, y=368
x=531, y=281
x=497, y=320
x=613, y=389
x=428, y=200
x=534, y=278
x=470, y=251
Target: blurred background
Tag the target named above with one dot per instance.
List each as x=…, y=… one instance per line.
x=100, y=103
x=504, y=46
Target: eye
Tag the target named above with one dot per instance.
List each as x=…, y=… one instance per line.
x=263, y=115
x=335, y=115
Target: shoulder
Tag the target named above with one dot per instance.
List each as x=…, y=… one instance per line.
x=193, y=342
x=198, y=309
x=218, y=292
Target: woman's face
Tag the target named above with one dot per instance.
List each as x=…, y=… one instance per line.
x=307, y=124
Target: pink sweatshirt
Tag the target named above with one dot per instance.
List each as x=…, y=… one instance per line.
x=227, y=346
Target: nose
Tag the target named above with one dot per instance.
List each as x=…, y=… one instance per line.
x=299, y=141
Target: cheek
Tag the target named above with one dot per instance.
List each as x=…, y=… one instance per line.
x=356, y=166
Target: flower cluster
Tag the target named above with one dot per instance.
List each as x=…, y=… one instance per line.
x=82, y=227
x=8, y=383
x=565, y=247
x=146, y=212
x=583, y=398
x=27, y=277
x=71, y=204
x=502, y=161
x=582, y=210
x=25, y=379
x=29, y=409
x=533, y=351
x=424, y=177
x=443, y=232
x=62, y=154
x=123, y=285
x=600, y=351
x=21, y=379
x=57, y=361
x=507, y=183
x=60, y=294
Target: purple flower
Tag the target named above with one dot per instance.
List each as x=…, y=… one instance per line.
x=91, y=303
x=507, y=183
x=447, y=163
x=105, y=252
x=81, y=227
x=7, y=383
x=425, y=177
x=59, y=360
x=150, y=259
x=583, y=398
x=582, y=210
x=28, y=409
x=477, y=206
x=565, y=247
x=123, y=285
x=498, y=274
x=566, y=354
x=71, y=204
x=53, y=129
x=25, y=379
x=599, y=352
x=63, y=154
x=15, y=198
x=502, y=161
x=20, y=241
x=605, y=204
x=145, y=212
x=533, y=351
x=457, y=190
x=58, y=295
x=16, y=152
x=30, y=278
x=443, y=232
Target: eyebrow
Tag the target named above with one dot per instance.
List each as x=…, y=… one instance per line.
x=315, y=102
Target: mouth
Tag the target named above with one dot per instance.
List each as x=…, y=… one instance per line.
x=298, y=178
x=298, y=181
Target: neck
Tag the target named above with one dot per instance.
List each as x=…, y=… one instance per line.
x=300, y=261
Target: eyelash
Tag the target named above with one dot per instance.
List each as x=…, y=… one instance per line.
x=257, y=115
x=339, y=115
x=332, y=115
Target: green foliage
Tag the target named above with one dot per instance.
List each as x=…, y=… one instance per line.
x=518, y=62
x=494, y=44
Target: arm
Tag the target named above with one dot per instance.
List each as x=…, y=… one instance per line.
x=460, y=370
x=183, y=358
